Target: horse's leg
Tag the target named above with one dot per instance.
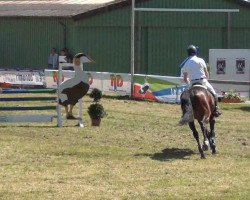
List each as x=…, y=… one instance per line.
x=212, y=135
x=196, y=136
x=205, y=135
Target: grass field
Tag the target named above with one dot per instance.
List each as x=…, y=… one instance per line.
x=138, y=152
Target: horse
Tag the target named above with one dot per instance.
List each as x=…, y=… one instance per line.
x=198, y=103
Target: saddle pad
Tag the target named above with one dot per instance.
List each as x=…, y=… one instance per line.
x=200, y=86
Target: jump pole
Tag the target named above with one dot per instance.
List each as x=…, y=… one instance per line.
x=25, y=91
x=80, y=110
x=18, y=108
x=59, y=107
x=27, y=118
x=28, y=99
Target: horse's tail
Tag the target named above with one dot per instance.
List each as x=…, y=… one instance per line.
x=187, y=108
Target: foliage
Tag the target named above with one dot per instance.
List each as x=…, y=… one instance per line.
x=96, y=111
x=232, y=94
x=96, y=94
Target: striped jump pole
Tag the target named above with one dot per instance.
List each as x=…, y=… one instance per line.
x=27, y=118
x=38, y=118
x=19, y=108
x=28, y=99
x=59, y=107
x=17, y=91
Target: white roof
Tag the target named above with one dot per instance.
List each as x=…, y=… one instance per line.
x=51, y=8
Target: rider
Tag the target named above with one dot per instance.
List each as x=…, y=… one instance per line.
x=195, y=71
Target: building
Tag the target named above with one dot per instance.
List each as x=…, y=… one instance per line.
x=102, y=29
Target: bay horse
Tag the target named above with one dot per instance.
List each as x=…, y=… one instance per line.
x=198, y=103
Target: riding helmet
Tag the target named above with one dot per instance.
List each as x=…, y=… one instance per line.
x=191, y=50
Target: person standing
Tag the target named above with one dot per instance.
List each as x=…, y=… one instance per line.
x=68, y=55
x=194, y=71
x=53, y=59
x=68, y=58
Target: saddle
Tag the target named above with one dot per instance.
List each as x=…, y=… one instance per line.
x=198, y=85
x=202, y=86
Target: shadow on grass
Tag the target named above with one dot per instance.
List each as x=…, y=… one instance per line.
x=244, y=108
x=170, y=154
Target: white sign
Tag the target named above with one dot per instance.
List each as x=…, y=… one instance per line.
x=230, y=70
x=22, y=77
x=229, y=64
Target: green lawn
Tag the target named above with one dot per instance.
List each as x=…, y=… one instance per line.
x=138, y=152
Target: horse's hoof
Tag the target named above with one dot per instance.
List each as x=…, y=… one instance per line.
x=203, y=157
x=181, y=122
x=204, y=147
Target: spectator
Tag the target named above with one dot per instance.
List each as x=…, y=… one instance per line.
x=65, y=52
x=69, y=58
x=53, y=59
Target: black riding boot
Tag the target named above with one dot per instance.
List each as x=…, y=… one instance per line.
x=216, y=112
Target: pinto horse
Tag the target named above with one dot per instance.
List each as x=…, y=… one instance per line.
x=198, y=103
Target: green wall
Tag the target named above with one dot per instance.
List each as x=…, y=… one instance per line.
x=161, y=38
x=26, y=42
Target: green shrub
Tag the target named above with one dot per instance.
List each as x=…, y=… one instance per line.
x=96, y=111
x=96, y=94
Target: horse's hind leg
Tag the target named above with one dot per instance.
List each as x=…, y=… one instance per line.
x=196, y=136
x=205, y=135
x=212, y=136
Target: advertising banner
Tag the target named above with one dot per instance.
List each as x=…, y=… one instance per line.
x=118, y=83
x=230, y=70
x=160, y=88
x=51, y=77
x=95, y=80
x=229, y=64
x=107, y=82
x=22, y=79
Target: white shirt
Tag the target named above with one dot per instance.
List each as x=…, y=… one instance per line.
x=53, y=60
x=194, y=67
